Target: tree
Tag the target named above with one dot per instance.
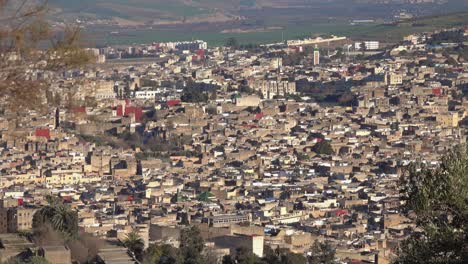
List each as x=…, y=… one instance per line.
x=36, y=260
x=30, y=260
x=156, y=254
x=213, y=96
x=22, y=31
x=135, y=244
x=232, y=43
x=283, y=256
x=192, y=95
x=228, y=260
x=437, y=200
x=191, y=246
x=322, y=253
x=363, y=47
x=246, y=256
x=323, y=147
x=60, y=217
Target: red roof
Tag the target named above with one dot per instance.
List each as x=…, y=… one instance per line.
x=437, y=91
x=341, y=212
x=172, y=103
x=43, y=132
x=200, y=52
x=80, y=109
x=136, y=110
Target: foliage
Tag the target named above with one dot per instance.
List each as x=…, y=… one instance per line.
x=447, y=36
x=190, y=251
x=322, y=253
x=22, y=32
x=197, y=92
x=283, y=256
x=323, y=148
x=60, y=217
x=191, y=246
x=135, y=244
x=437, y=199
x=294, y=97
x=30, y=260
x=245, y=256
x=160, y=254
x=232, y=43
x=302, y=156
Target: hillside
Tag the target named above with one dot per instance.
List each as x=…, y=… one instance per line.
x=154, y=12
x=396, y=31
x=250, y=21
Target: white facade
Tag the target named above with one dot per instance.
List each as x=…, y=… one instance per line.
x=145, y=95
x=272, y=88
x=370, y=45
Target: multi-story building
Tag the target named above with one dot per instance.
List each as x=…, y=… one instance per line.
x=275, y=87
x=392, y=78
x=19, y=219
x=368, y=45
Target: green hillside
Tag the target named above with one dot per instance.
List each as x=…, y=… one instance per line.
x=135, y=9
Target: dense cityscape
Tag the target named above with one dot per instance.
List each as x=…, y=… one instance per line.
x=179, y=152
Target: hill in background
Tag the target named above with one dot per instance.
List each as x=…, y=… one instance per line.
x=250, y=21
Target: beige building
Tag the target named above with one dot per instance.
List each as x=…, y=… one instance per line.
x=448, y=119
x=20, y=219
x=246, y=101
x=275, y=87
x=393, y=78
x=56, y=254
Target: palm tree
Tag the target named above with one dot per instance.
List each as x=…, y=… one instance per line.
x=59, y=217
x=65, y=220
x=135, y=244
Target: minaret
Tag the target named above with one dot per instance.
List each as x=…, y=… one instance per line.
x=57, y=118
x=316, y=55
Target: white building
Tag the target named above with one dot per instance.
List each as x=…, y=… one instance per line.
x=274, y=87
x=369, y=45
x=145, y=95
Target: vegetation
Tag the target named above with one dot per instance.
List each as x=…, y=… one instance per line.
x=447, y=36
x=30, y=260
x=322, y=253
x=294, y=97
x=190, y=251
x=197, y=92
x=57, y=224
x=135, y=244
x=437, y=200
x=57, y=216
x=302, y=156
x=232, y=43
x=191, y=246
x=155, y=254
x=243, y=256
x=323, y=148
x=283, y=256
x=22, y=32
x=277, y=256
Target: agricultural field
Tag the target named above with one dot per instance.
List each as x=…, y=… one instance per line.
x=252, y=21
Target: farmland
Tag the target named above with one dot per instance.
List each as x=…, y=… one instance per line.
x=251, y=21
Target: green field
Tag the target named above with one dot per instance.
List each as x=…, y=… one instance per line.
x=382, y=32
x=297, y=18
x=217, y=38
x=134, y=9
